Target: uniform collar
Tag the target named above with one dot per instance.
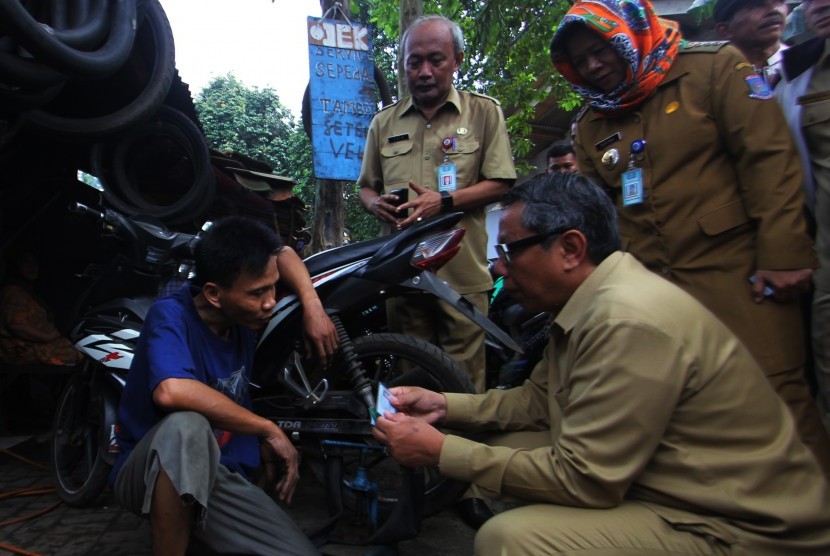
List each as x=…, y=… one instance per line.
x=576, y=307
x=453, y=98
x=799, y=58
x=778, y=55
x=824, y=60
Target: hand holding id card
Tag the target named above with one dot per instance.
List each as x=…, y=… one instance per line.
x=382, y=405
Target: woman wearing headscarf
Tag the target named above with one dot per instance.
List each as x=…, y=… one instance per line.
x=688, y=140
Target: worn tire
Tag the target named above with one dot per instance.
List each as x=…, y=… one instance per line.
x=433, y=369
x=78, y=469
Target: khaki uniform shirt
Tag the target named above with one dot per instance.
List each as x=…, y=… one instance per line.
x=649, y=398
x=482, y=152
x=815, y=121
x=724, y=198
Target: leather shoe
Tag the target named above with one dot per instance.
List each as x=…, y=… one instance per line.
x=473, y=511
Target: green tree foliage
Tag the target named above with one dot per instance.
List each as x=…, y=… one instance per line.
x=507, y=53
x=246, y=120
x=253, y=122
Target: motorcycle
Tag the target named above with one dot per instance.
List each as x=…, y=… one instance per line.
x=509, y=368
x=326, y=410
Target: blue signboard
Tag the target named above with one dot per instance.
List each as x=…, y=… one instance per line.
x=343, y=95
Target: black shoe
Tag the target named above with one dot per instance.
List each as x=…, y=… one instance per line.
x=473, y=511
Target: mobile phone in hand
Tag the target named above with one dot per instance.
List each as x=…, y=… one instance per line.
x=769, y=291
x=402, y=194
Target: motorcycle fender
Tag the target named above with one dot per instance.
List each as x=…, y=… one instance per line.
x=430, y=283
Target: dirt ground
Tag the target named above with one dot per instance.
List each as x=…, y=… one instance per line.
x=51, y=528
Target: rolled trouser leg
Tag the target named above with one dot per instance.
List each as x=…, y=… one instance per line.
x=183, y=444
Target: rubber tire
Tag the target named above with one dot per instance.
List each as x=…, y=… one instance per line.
x=146, y=102
x=77, y=431
x=109, y=161
x=46, y=47
x=442, y=374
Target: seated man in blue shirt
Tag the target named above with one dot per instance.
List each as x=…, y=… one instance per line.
x=188, y=436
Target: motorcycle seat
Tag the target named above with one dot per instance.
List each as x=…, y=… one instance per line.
x=343, y=255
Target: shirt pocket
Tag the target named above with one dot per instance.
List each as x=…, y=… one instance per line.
x=466, y=158
x=396, y=162
x=725, y=218
x=815, y=109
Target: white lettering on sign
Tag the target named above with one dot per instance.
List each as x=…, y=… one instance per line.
x=337, y=71
x=339, y=35
x=336, y=106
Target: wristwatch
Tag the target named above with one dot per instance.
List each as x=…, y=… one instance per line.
x=446, y=201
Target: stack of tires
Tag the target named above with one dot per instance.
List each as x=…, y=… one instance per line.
x=97, y=72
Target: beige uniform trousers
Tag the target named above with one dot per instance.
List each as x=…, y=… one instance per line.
x=430, y=319
x=630, y=529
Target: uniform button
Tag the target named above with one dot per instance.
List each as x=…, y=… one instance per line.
x=427, y=157
x=429, y=126
x=665, y=271
x=636, y=119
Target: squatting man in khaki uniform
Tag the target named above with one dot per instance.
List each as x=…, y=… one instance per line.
x=450, y=150
x=647, y=426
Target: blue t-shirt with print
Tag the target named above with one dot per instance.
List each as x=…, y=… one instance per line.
x=176, y=343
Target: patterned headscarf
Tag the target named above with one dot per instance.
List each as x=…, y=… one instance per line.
x=647, y=44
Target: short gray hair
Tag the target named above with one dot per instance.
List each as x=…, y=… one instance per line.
x=572, y=201
x=455, y=30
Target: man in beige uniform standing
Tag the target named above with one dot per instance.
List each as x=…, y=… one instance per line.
x=451, y=149
x=805, y=98
x=647, y=428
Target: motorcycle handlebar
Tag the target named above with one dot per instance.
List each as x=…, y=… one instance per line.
x=142, y=238
x=80, y=208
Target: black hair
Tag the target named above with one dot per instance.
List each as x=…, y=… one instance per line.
x=234, y=245
x=572, y=201
x=560, y=150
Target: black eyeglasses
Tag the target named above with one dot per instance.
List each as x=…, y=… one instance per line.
x=506, y=251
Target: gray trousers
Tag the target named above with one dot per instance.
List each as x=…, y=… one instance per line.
x=233, y=516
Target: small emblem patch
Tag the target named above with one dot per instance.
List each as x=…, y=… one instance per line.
x=758, y=88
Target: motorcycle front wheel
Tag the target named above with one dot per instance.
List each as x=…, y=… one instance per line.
x=79, y=471
x=394, y=360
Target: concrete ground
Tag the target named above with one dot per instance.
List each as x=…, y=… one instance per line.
x=106, y=529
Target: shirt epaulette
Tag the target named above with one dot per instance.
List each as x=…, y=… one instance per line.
x=581, y=113
x=485, y=96
x=388, y=106
x=694, y=47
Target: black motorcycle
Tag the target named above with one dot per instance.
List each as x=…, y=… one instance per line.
x=325, y=409
x=508, y=368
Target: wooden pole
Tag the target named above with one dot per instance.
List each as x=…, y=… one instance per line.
x=328, y=222
x=409, y=10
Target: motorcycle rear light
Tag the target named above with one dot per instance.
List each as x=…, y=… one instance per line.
x=434, y=252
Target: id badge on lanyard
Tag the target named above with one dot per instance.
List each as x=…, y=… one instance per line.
x=633, y=188
x=447, y=175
